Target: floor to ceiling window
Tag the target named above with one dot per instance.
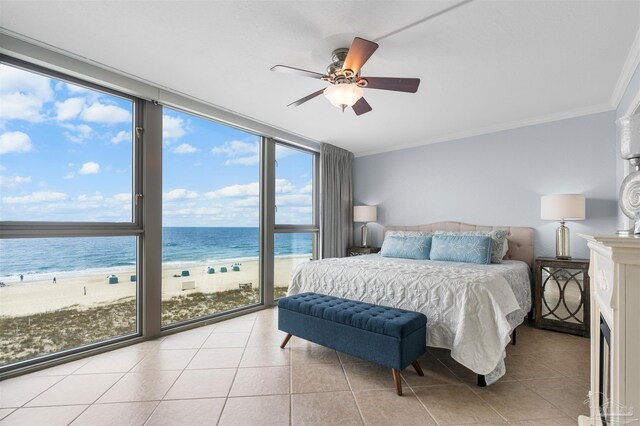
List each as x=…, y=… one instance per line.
x=69, y=246
x=296, y=229
x=211, y=218
x=80, y=214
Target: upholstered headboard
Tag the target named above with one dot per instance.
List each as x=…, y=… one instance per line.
x=520, y=238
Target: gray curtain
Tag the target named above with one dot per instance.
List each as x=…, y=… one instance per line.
x=336, y=223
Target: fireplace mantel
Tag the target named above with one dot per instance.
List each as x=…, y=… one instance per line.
x=615, y=303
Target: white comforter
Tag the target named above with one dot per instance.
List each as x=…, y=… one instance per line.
x=471, y=309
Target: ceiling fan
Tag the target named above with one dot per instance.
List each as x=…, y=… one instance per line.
x=344, y=76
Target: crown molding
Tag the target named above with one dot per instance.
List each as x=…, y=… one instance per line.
x=630, y=66
x=579, y=112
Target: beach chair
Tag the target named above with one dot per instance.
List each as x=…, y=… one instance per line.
x=223, y=269
x=235, y=268
x=185, y=273
x=211, y=270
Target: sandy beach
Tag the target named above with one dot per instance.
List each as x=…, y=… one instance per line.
x=39, y=294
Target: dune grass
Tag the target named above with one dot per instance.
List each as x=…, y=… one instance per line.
x=24, y=337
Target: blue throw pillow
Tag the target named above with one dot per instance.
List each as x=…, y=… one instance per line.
x=461, y=248
x=499, y=237
x=406, y=247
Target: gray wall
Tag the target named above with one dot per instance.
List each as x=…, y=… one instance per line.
x=624, y=108
x=497, y=179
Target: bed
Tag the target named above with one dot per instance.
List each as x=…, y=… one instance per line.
x=471, y=309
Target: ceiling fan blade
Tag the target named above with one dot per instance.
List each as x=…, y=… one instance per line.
x=361, y=107
x=359, y=53
x=306, y=98
x=409, y=85
x=297, y=71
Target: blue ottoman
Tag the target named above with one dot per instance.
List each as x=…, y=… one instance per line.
x=391, y=337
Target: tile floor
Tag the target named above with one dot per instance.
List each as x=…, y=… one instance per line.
x=234, y=373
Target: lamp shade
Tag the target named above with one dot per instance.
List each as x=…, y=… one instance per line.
x=365, y=213
x=343, y=94
x=562, y=207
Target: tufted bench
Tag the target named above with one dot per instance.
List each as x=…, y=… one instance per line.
x=391, y=337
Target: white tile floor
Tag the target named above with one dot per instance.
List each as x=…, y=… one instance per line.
x=234, y=373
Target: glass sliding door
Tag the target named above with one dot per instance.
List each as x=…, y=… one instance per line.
x=211, y=218
x=296, y=228
x=67, y=180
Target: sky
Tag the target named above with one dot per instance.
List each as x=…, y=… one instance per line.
x=66, y=155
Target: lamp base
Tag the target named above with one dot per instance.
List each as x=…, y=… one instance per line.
x=365, y=231
x=562, y=242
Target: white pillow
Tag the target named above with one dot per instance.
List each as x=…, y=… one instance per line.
x=505, y=248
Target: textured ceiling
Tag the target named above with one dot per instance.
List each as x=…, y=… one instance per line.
x=484, y=66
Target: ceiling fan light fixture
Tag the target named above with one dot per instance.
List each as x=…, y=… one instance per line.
x=343, y=95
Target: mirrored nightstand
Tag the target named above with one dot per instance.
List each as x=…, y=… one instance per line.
x=561, y=295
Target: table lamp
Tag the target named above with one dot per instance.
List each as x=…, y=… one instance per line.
x=365, y=214
x=562, y=208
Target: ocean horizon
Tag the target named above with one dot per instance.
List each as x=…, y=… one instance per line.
x=180, y=245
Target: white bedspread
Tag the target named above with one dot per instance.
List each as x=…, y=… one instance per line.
x=471, y=309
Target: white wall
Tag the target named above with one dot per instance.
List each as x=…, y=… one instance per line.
x=497, y=179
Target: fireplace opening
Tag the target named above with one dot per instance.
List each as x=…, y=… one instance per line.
x=604, y=372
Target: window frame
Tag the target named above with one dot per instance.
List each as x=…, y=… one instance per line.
x=67, y=229
x=146, y=172
x=261, y=251
x=19, y=229
x=313, y=228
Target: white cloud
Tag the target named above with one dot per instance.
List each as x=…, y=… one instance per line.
x=239, y=152
x=122, y=136
x=185, y=148
x=36, y=197
x=13, y=181
x=252, y=189
x=69, y=175
x=249, y=189
x=307, y=189
x=23, y=94
x=178, y=194
x=69, y=108
x=172, y=127
x=15, y=142
x=283, y=186
x=90, y=198
x=124, y=196
x=72, y=88
x=293, y=200
x=89, y=168
x=2, y=168
x=103, y=113
x=247, y=202
x=20, y=106
x=77, y=133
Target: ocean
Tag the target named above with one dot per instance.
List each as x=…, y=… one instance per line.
x=47, y=256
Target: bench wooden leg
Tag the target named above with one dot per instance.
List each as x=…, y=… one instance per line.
x=417, y=367
x=397, y=380
x=285, y=341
